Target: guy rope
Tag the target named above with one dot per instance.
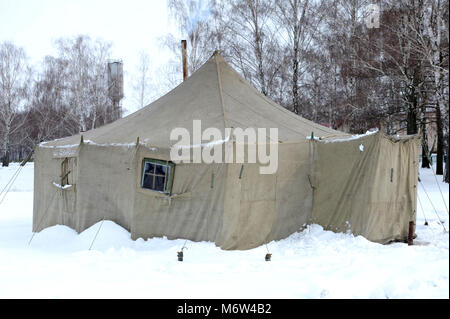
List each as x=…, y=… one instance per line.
x=13, y=178
x=435, y=178
x=431, y=202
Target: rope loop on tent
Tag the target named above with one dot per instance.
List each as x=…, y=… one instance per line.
x=310, y=182
x=242, y=170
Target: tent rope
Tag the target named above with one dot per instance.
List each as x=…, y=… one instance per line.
x=440, y=191
x=13, y=178
x=45, y=214
x=435, y=178
x=9, y=185
x=184, y=245
x=431, y=202
x=96, y=234
x=423, y=211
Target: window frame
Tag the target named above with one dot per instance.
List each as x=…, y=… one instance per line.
x=168, y=179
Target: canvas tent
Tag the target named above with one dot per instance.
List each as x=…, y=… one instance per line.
x=123, y=172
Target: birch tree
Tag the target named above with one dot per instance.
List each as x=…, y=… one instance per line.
x=87, y=89
x=142, y=86
x=299, y=20
x=14, y=84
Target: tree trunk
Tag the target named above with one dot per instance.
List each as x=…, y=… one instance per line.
x=425, y=152
x=440, y=143
x=411, y=121
x=447, y=168
x=5, y=158
x=295, y=82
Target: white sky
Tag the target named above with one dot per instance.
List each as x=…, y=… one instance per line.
x=131, y=26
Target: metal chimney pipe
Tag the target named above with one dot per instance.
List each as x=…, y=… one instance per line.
x=183, y=50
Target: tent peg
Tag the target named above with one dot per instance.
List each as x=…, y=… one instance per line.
x=268, y=255
x=180, y=255
x=411, y=233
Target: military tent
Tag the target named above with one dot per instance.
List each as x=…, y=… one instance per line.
x=123, y=172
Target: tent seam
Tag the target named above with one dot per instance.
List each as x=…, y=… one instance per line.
x=220, y=91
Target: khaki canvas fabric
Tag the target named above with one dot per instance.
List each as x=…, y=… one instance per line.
x=230, y=102
x=367, y=186
x=330, y=182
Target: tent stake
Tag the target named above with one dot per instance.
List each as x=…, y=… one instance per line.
x=411, y=233
x=180, y=253
x=268, y=255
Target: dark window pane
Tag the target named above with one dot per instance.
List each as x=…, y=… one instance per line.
x=148, y=181
x=159, y=183
x=150, y=168
x=156, y=175
x=160, y=170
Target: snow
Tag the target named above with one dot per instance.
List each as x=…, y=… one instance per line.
x=351, y=138
x=44, y=145
x=312, y=263
x=206, y=145
x=67, y=186
x=71, y=149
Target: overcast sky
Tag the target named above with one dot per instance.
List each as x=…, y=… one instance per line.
x=131, y=26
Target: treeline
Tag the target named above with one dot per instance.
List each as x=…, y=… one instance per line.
x=67, y=94
x=349, y=64
x=333, y=61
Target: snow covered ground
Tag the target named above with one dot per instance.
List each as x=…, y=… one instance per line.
x=310, y=264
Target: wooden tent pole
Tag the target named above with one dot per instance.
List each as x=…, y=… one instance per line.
x=183, y=52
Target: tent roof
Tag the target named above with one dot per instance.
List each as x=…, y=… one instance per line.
x=215, y=94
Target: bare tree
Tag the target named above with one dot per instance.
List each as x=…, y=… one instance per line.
x=14, y=84
x=142, y=86
x=300, y=19
x=87, y=89
x=251, y=42
x=192, y=18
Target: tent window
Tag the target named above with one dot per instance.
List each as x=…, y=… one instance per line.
x=157, y=175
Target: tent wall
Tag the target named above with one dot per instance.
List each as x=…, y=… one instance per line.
x=106, y=185
x=51, y=205
x=193, y=211
x=102, y=186
x=367, y=186
x=261, y=208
